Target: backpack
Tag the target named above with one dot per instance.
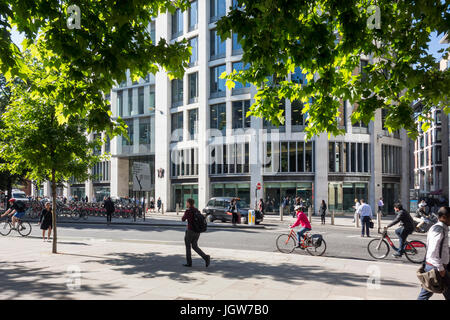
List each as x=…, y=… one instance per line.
x=20, y=206
x=199, y=222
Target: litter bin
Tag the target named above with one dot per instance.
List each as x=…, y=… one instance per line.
x=251, y=217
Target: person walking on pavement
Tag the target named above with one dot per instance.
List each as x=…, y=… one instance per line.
x=261, y=206
x=323, y=211
x=46, y=221
x=365, y=212
x=438, y=256
x=380, y=206
x=191, y=237
x=406, y=228
x=109, y=206
x=159, y=204
x=356, y=207
x=233, y=209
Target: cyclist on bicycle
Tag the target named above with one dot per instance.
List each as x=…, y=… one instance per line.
x=17, y=210
x=302, y=220
x=406, y=228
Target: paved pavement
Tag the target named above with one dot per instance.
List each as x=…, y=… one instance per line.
x=103, y=269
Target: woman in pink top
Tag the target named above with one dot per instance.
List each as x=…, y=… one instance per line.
x=302, y=220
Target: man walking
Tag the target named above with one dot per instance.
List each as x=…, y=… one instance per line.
x=438, y=250
x=159, y=203
x=191, y=237
x=356, y=207
x=380, y=206
x=365, y=211
x=406, y=228
x=109, y=206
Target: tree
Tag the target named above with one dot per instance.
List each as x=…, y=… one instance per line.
x=36, y=134
x=326, y=40
x=113, y=36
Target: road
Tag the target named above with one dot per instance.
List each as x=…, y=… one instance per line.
x=342, y=242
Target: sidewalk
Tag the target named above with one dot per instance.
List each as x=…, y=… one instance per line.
x=147, y=270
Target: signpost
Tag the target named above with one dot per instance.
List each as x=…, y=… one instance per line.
x=258, y=187
x=141, y=180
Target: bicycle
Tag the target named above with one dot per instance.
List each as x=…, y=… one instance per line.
x=315, y=245
x=23, y=227
x=415, y=250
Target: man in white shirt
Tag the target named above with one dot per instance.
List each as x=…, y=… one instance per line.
x=365, y=211
x=356, y=206
x=438, y=250
x=380, y=205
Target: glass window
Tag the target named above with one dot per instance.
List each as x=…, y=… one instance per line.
x=366, y=157
x=193, y=60
x=292, y=156
x=120, y=103
x=217, y=9
x=177, y=93
x=130, y=101
x=217, y=46
x=308, y=157
x=130, y=131
x=300, y=156
x=438, y=135
x=237, y=47
x=193, y=16
x=363, y=63
x=296, y=114
x=240, y=109
x=217, y=85
x=331, y=162
x=152, y=97
x=153, y=31
x=177, y=23
x=218, y=119
x=177, y=126
x=298, y=77
x=144, y=131
x=193, y=87
x=141, y=100
x=239, y=66
x=193, y=123
x=284, y=157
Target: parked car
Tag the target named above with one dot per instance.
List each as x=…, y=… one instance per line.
x=19, y=195
x=217, y=207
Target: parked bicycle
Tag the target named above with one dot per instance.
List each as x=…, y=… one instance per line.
x=314, y=244
x=415, y=250
x=22, y=227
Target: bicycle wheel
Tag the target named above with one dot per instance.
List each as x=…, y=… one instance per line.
x=5, y=228
x=317, y=250
x=75, y=214
x=286, y=244
x=415, y=251
x=24, y=228
x=378, y=250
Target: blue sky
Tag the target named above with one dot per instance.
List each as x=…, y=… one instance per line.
x=434, y=45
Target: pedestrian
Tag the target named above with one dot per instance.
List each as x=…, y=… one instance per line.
x=323, y=211
x=261, y=207
x=191, y=237
x=380, y=206
x=87, y=199
x=152, y=204
x=233, y=209
x=438, y=252
x=365, y=212
x=110, y=209
x=159, y=204
x=46, y=221
x=356, y=207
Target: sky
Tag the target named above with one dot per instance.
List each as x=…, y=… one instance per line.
x=434, y=45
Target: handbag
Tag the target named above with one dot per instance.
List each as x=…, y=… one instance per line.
x=371, y=225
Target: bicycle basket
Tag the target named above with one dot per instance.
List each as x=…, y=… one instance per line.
x=316, y=240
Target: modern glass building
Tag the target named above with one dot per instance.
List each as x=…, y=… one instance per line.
x=199, y=143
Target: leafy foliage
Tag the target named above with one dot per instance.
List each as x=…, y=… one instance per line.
x=327, y=39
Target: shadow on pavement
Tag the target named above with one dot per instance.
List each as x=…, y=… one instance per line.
x=19, y=282
x=154, y=265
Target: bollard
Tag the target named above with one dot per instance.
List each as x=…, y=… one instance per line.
x=281, y=213
x=162, y=208
x=379, y=221
x=178, y=208
x=357, y=220
x=310, y=214
x=332, y=218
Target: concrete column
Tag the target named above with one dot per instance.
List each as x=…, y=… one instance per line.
x=47, y=189
x=376, y=180
x=66, y=191
x=162, y=124
x=406, y=171
x=321, y=168
x=256, y=145
x=203, y=112
x=89, y=187
x=119, y=177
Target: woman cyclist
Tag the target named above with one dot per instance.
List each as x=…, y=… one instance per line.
x=302, y=220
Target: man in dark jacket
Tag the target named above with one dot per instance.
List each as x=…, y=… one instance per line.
x=406, y=227
x=109, y=206
x=191, y=237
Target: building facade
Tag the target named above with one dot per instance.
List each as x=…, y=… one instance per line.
x=194, y=134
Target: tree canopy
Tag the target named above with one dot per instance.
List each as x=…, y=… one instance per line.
x=326, y=40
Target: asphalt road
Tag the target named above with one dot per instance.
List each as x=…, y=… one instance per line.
x=342, y=242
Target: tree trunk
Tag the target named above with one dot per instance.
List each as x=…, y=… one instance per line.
x=54, y=211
